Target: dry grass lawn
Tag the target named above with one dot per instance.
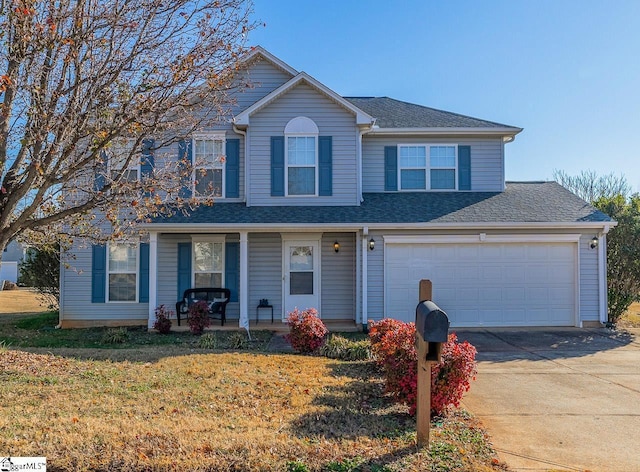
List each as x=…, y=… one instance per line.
x=20, y=301
x=631, y=318
x=228, y=411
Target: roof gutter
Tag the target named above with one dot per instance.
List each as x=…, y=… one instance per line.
x=508, y=133
x=605, y=226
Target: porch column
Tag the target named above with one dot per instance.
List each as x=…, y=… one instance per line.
x=244, y=280
x=365, y=276
x=153, y=277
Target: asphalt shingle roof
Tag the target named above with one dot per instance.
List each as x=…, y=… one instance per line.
x=521, y=202
x=391, y=113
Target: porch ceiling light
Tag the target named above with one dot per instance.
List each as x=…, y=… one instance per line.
x=372, y=244
x=336, y=246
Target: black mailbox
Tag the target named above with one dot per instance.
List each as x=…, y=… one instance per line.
x=431, y=322
x=432, y=325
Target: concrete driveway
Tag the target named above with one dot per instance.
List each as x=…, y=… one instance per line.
x=559, y=399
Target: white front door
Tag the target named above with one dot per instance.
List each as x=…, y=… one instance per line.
x=301, y=274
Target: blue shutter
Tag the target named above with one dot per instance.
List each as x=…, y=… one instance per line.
x=143, y=282
x=325, y=161
x=390, y=168
x=277, y=166
x=99, y=172
x=146, y=167
x=184, y=155
x=98, y=273
x=232, y=269
x=464, y=167
x=232, y=168
x=184, y=268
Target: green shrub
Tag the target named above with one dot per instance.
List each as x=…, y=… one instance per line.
x=297, y=466
x=238, y=340
x=208, y=341
x=338, y=347
x=116, y=336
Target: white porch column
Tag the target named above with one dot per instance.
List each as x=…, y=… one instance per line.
x=153, y=277
x=365, y=277
x=602, y=278
x=244, y=280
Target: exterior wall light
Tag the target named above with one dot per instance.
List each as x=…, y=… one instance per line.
x=336, y=246
x=594, y=242
x=372, y=244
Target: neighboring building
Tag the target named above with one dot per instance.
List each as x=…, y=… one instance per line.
x=12, y=255
x=344, y=204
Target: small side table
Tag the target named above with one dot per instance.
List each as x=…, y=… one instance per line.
x=258, y=312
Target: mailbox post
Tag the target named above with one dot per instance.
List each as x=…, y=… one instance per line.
x=432, y=329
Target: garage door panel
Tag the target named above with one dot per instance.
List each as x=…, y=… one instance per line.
x=487, y=284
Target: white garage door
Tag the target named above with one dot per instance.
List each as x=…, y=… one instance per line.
x=488, y=284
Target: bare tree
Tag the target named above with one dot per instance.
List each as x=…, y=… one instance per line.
x=83, y=80
x=590, y=186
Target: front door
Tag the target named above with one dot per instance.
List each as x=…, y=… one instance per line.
x=301, y=275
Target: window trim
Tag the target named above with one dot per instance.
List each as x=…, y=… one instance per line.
x=428, y=168
x=108, y=273
x=207, y=239
x=135, y=164
x=315, y=166
x=210, y=136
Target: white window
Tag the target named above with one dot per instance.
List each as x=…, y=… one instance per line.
x=208, y=165
x=208, y=262
x=427, y=166
x=122, y=272
x=301, y=157
x=121, y=150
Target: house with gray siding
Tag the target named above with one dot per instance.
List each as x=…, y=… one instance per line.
x=344, y=204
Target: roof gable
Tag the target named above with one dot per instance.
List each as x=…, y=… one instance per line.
x=259, y=51
x=362, y=118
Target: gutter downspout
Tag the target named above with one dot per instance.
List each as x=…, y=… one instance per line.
x=361, y=132
x=602, y=275
x=243, y=133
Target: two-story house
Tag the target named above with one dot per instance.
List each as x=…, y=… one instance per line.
x=344, y=204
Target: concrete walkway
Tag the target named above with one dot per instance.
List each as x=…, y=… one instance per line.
x=559, y=399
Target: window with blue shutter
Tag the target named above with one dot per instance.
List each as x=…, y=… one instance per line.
x=390, y=168
x=184, y=268
x=146, y=166
x=325, y=160
x=464, y=167
x=98, y=273
x=185, y=155
x=232, y=269
x=143, y=277
x=99, y=172
x=233, y=168
x=277, y=166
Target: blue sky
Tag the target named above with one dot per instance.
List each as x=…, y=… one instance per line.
x=567, y=71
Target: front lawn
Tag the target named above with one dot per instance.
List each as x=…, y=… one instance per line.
x=223, y=411
x=162, y=402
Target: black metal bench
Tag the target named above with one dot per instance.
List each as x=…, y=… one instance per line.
x=216, y=298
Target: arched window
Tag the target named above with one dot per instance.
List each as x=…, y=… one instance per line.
x=301, y=157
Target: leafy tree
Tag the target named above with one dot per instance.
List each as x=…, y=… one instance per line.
x=623, y=252
x=611, y=194
x=40, y=269
x=83, y=80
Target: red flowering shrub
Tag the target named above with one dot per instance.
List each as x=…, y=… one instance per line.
x=198, y=317
x=306, y=330
x=393, y=344
x=451, y=377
